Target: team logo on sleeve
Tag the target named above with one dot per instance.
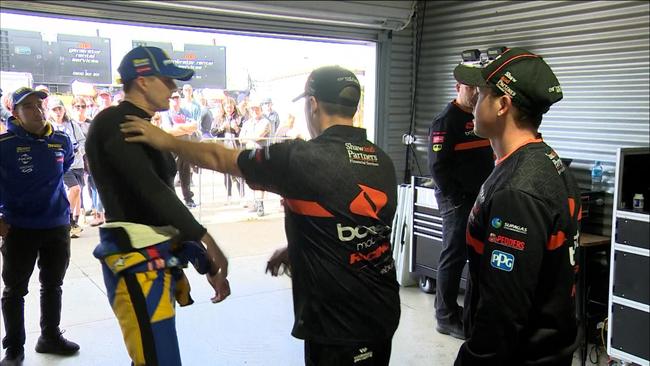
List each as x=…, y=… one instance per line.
x=502, y=260
x=439, y=139
x=437, y=147
x=365, y=155
x=497, y=223
x=506, y=241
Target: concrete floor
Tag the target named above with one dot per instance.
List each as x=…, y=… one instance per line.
x=252, y=327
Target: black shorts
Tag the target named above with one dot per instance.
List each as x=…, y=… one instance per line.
x=368, y=354
x=73, y=177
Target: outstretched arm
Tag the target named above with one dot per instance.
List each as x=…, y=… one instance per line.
x=212, y=156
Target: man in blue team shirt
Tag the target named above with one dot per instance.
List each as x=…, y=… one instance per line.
x=34, y=223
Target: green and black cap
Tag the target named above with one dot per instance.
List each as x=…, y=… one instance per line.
x=518, y=73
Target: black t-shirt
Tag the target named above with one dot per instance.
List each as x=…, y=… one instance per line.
x=522, y=236
x=459, y=160
x=135, y=182
x=340, y=196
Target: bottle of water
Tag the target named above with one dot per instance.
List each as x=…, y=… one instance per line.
x=597, y=177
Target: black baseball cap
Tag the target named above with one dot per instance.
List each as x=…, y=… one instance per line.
x=326, y=83
x=147, y=61
x=518, y=73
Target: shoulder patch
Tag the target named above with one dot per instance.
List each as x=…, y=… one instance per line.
x=502, y=260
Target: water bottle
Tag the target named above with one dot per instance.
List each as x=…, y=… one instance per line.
x=596, y=176
x=637, y=202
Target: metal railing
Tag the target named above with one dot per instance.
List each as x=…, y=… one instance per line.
x=212, y=182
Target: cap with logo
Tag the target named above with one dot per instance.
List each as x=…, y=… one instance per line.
x=148, y=61
x=518, y=73
x=54, y=103
x=326, y=84
x=20, y=94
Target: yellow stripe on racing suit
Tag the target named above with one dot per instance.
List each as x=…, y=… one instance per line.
x=142, y=267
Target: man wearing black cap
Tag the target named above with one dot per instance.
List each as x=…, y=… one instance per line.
x=460, y=162
x=150, y=234
x=523, y=230
x=340, y=196
x=34, y=223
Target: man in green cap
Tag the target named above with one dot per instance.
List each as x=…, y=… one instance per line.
x=523, y=230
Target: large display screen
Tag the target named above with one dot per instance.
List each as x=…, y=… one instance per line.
x=69, y=58
x=86, y=59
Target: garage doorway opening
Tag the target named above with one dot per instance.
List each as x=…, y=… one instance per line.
x=76, y=56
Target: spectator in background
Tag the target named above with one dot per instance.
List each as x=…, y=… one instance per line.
x=230, y=129
x=5, y=110
x=74, y=177
x=117, y=98
x=213, y=115
x=206, y=117
x=254, y=135
x=103, y=100
x=178, y=121
x=271, y=115
x=190, y=104
x=242, y=107
x=79, y=113
x=91, y=107
x=79, y=109
x=286, y=130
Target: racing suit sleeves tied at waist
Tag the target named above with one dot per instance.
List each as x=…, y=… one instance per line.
x=128, y=248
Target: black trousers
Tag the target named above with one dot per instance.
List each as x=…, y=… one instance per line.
x=185, y=175
x=363, y=354
x=452, y=257
x=20, y=251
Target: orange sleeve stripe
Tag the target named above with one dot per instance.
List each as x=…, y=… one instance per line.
x=572, y=206
x=307, y=208
x=471, y=145
x=478, y=245
x=556, y=241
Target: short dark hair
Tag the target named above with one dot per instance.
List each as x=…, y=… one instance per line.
x=128, y=85
x=334, y=109
x=521, y=114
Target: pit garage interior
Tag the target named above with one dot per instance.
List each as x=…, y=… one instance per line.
x=600, y=51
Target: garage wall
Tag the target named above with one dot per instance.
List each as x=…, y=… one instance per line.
x=599, y=51
x=398, y=91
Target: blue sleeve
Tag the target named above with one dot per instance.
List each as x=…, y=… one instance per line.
x=195, y=253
